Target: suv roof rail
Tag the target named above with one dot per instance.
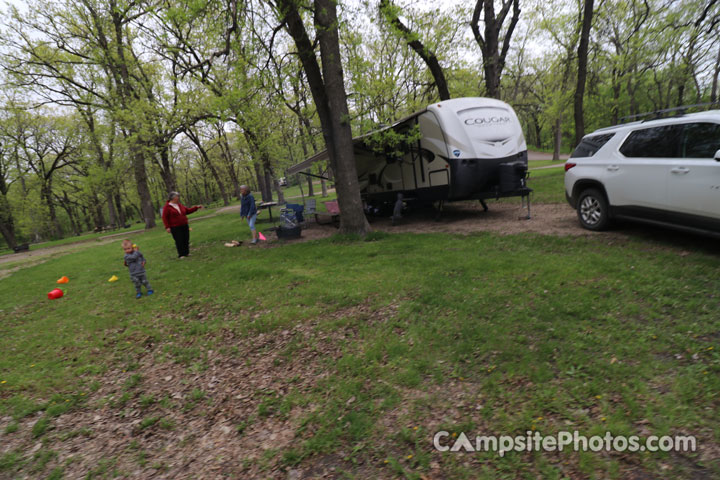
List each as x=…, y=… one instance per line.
x=657, y=114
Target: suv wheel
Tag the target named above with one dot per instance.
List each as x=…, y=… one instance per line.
x=592, y=210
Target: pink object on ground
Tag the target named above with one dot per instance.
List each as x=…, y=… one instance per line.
x=332, y=207
x=262, y=237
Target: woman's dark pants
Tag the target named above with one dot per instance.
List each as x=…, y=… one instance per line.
x=182, y=239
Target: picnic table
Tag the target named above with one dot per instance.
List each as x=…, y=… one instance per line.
x=267, y=205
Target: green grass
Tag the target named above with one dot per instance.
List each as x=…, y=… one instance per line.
x=564, y=149
x=294, y=190
x=74, y=239
x=263, y=220
x=548, y=185
x=85, y=237
x=539, y=332
x=209, y=210
x=543, y=163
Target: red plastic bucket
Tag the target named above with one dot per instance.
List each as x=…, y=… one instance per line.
x=55, y=293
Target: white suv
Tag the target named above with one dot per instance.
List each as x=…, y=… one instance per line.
x=665, y=172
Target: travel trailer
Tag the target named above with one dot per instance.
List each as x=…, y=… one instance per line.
x=459, y=149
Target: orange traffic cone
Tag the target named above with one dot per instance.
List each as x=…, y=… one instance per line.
x=63, y=279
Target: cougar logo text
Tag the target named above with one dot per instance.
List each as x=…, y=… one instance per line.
x=487, y=121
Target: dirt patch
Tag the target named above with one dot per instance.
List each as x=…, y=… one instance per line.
x=554, y=219
x=469, y=217
x=505, y=218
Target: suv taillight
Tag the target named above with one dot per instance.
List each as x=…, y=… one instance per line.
x=569, y=165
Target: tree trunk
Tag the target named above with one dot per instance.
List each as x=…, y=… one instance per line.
x=582, y=71
x=121, y=211
x=46, y=193
x=206, y=187
x=311, y=193
x=557, y=130
x=328, y=92
x=267, y=195
x=251, y=179
x=74, y=225
x=716, y=75
x=195, y=184
x=342, y=154
x=263, y=177
x=213, y=171
x=7, y=230
x=616, y=97
x=127, y=92
x=280, y=194
x=493, y=55
x=86, y=218
x=323, y=183
x=147, y=209
x=7, y=223
x=260, y=178
x=111, y=212
x=538, y=131
x=97, y=209
x=235, y=182
x=389, y=11
x=230, y=165
x=681, y=94
x=166, y=170
x=74, y=221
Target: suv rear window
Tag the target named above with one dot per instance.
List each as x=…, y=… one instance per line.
x=656, y=142
x=701, y=140
x=590, y=145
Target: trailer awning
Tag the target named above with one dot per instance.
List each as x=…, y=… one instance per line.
x=324, y=156
x=304, y=165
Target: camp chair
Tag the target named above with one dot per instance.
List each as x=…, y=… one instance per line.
x=298, y=209
x=310, y=205
x=333, y=211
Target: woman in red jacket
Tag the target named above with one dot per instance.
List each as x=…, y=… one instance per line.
x=174, y=217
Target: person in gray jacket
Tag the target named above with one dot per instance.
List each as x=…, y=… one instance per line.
x=135, y=261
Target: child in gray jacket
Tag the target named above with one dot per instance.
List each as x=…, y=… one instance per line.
x=135, y=262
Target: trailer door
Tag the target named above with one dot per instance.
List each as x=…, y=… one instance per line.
x=434, y=172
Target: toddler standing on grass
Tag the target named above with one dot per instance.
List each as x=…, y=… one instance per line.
x=135, y=262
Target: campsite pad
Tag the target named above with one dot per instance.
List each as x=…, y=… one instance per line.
x=469, y=217
x=557, y=219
